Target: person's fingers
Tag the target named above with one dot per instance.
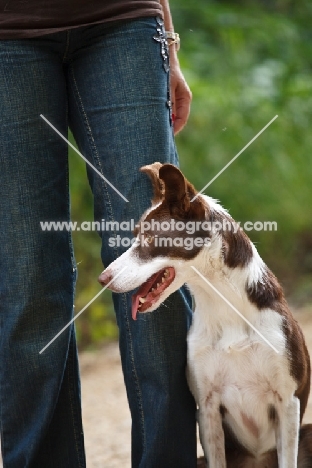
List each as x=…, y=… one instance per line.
x=181, y=104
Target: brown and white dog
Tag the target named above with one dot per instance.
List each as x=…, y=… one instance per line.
x=250, y=378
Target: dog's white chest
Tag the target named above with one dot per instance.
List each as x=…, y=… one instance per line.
x=244, y=373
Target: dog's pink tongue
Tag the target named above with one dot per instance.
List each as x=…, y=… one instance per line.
x=135, y=305
x=142, y=291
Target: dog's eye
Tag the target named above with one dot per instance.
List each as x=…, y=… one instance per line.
x=149, y=239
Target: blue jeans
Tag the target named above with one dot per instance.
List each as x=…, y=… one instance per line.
x=109, y=84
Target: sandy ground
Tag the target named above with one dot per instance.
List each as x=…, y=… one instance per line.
x=105, y=410
x=106, y=415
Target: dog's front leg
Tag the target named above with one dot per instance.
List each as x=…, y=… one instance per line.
x=287, y=434
x=210, y=430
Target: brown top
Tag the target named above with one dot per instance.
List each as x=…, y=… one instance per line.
x=31, y=18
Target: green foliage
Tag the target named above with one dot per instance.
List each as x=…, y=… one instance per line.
x=245, y=61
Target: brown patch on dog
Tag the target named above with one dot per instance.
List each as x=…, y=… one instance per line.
x=179, y=193
x=305, y=447
x=236, y=246
x=272, y=414
x=237, y=249
x=267, y=292
x=158, y=242
x=300, y=366
x=223, y=410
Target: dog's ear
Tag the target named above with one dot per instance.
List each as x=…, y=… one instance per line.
x=179, y=193
x=152, y=170
x=175, y=186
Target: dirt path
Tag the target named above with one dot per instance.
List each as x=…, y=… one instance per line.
x=105, y=410
x=106, y=416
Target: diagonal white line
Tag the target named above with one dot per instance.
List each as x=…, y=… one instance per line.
x=82, y=156
x=82, y=310
x=235, y=157
x=234, y=308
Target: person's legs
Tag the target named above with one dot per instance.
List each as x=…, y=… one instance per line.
x=119, y=114
x=40, y=413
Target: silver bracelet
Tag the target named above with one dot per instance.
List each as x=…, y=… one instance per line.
x=173, y=38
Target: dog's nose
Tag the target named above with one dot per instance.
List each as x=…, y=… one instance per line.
x=104, y=278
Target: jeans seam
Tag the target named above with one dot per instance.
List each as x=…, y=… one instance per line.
x=70, y=355
x=70, y=378
x=94, y=152
x=66, y=46
x=69, y=235
x=135, y=374
x=1, y=405
x=132, y=359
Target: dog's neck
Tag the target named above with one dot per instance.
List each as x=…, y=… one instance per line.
x=219, y=284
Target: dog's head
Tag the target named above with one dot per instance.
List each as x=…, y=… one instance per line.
x=169, y=234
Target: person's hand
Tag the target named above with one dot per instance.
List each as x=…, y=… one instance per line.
x=181, y=95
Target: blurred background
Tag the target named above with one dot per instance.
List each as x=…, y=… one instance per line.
x=245, y=62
